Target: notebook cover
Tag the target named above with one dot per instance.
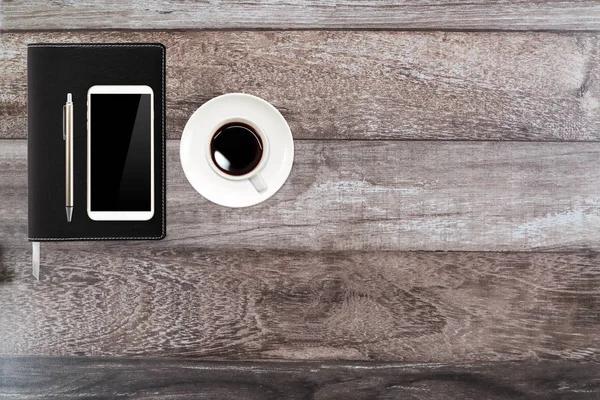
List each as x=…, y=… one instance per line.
x=53, y=70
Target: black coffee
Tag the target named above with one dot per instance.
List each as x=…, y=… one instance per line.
x=236, y=148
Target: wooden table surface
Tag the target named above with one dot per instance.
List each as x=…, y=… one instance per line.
x=438, y=238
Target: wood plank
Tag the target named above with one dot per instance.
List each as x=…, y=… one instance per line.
x=366, y=85
x=95, y=299
x=52, y=378
x=379, y=195
x=300, y=14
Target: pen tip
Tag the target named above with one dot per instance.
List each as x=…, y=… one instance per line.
x=69, y=213
x=69, y=97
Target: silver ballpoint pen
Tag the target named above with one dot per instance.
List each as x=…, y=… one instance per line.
x=68, y=137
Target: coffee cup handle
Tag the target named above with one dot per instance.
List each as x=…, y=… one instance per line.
x=258, y=183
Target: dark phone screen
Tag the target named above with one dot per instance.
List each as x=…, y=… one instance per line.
x=120, y=129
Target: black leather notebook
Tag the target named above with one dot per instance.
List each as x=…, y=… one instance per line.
x=53, y=71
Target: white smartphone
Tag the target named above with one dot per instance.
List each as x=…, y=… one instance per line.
x=120, y=153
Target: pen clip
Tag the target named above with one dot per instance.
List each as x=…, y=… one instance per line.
x=64, y=122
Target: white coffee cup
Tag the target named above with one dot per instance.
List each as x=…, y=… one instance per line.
x=254, y=175
x=269, y=173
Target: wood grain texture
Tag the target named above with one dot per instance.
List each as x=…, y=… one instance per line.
x=301, y=14
x=96, y=299
x=366, y=85
x=379, y=195
x=53, y=378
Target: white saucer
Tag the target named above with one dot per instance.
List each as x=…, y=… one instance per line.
x=196, y=134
